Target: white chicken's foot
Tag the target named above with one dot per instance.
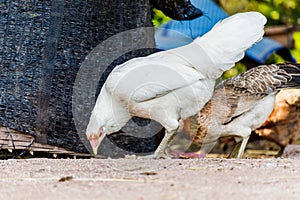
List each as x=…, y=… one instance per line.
x=160, y=151
x=153, y=156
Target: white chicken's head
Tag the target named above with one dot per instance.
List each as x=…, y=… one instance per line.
x=95, y=133
x=95, y=138
x=100, y=125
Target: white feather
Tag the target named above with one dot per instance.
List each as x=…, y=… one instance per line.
x=228, y=40
x=175, y=84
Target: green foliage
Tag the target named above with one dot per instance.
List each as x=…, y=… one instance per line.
x=159, y=18
x=277, y=11
x=238, y=68
x=296, y=50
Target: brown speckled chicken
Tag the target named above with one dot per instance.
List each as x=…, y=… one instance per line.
x=241, y=104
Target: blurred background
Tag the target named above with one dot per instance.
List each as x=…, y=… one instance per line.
x=282, y=26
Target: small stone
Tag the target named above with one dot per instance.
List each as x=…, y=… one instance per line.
x=291, y=151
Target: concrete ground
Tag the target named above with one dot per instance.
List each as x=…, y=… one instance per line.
x=209, y=178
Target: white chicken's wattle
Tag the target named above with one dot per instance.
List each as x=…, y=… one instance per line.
x=172, y=85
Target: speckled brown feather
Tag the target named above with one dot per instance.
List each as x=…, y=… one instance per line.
x=237, y=95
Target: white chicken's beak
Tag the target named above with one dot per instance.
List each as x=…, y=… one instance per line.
x=95, y=141
x=95, y=150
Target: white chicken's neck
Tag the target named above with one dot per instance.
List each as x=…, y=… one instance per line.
x=107, y=111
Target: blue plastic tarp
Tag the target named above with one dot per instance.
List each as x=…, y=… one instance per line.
x=177, y=33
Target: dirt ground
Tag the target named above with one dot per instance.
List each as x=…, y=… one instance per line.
x=209, y=178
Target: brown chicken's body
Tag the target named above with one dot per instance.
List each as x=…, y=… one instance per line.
x=241, y=104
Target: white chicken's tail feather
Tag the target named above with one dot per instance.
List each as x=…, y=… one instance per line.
x=226, y=43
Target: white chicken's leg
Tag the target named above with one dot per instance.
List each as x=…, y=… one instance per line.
x=171, y=125
x=160, y=151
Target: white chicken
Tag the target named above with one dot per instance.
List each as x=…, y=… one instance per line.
x=172, y=85
x=240, y=105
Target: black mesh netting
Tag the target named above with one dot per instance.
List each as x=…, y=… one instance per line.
x=43, y=43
